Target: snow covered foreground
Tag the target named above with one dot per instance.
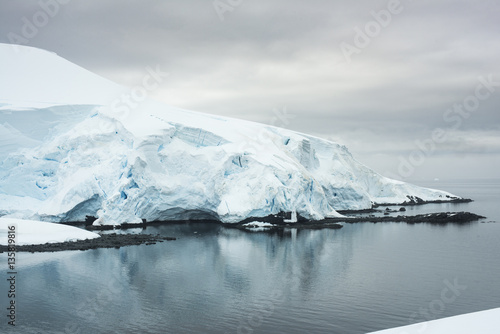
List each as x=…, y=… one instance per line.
x=74, y=144
x=484, y=322
x=30, y=232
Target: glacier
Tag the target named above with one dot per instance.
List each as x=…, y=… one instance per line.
x=70, y=148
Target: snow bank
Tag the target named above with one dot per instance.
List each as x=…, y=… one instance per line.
x=30, y=232
x=76, y=154
x=484, y=322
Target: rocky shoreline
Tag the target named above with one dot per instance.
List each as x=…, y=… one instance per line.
x=415, y=200
x=111, y=240
x=441, y=218
x=279, y=221
x=430, y=218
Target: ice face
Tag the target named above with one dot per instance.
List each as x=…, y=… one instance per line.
x=81, y=157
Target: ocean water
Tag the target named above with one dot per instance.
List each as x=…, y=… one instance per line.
x=361, y=278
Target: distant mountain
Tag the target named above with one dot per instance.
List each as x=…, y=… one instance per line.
x=71, y=145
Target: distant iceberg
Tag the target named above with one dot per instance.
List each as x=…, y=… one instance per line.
x=69, y=150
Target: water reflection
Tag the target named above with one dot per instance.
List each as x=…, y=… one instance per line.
x=208, y=272
x=218, y=280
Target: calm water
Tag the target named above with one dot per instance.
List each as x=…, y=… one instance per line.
x=362, y=278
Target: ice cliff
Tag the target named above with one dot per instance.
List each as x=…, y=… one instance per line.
x=70, y=147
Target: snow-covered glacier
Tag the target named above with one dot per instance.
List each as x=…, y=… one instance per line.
x=71, y=147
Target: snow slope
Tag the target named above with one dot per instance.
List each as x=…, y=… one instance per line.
x=69, y=148
x=484, y=322
x=31, y=77
x=29, y=232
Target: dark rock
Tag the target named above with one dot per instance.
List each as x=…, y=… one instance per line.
x=89, y=220
x=112, y=240
x=432, y=218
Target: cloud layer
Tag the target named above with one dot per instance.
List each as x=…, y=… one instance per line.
x=378, y=76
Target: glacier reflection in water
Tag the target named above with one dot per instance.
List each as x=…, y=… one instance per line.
x=361, y=278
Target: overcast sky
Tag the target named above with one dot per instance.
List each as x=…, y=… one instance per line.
x=380, y=77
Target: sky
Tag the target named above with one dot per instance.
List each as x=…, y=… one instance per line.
x=412, y=88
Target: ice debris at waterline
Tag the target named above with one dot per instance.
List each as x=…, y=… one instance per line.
x=74, y=144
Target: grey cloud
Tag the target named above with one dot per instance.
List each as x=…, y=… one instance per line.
x=267, y=55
